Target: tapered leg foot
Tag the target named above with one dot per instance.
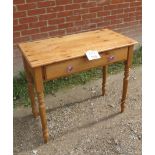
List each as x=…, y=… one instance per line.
x=122, y=107
x=46, y=136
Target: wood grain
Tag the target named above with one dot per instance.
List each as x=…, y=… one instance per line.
x=127, y=64
x=58, y=49
x=104, y=78
x=62, y=56
x=42, y=108
x=81, y=64
x=31, y=89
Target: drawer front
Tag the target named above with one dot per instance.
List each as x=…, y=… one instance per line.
x=68, y=67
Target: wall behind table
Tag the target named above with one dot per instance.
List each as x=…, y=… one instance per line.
x=39, y=19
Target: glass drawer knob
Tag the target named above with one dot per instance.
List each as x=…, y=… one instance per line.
x=110, y=58
x=69, y=68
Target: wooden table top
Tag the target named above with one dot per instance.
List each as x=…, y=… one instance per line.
x=51, y=50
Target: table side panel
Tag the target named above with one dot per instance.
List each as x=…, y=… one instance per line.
x=68, y=67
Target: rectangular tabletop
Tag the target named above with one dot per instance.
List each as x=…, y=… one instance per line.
x=51, y=50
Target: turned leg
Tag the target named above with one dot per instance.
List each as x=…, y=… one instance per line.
x=42, y=109
x=125, y=86
x=104, y=79
x=127, y=63
x=32, y=99
x=31, y=90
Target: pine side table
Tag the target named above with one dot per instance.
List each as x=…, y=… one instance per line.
x=62, y=56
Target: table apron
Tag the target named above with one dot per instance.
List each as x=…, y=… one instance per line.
x=69, y=67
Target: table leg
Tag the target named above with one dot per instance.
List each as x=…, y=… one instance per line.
x=42, y=111
x=32, y=98
x=126, y=76
x=125, y=86
x=104, y=71
x=31, y=90
x=42, y=108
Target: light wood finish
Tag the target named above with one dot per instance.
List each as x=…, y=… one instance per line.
x=40, y=93
x=31, y=90
x=80, y=64
x=62, y=56
x=104, y=70
x=57, y=49
x=127, y=63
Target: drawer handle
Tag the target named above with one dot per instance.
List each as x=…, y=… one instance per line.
x=110, y=58
x=69, y=68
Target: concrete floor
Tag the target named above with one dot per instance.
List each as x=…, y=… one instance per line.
x=82, y=122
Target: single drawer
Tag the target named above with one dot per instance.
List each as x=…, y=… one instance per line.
x=68, y=67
